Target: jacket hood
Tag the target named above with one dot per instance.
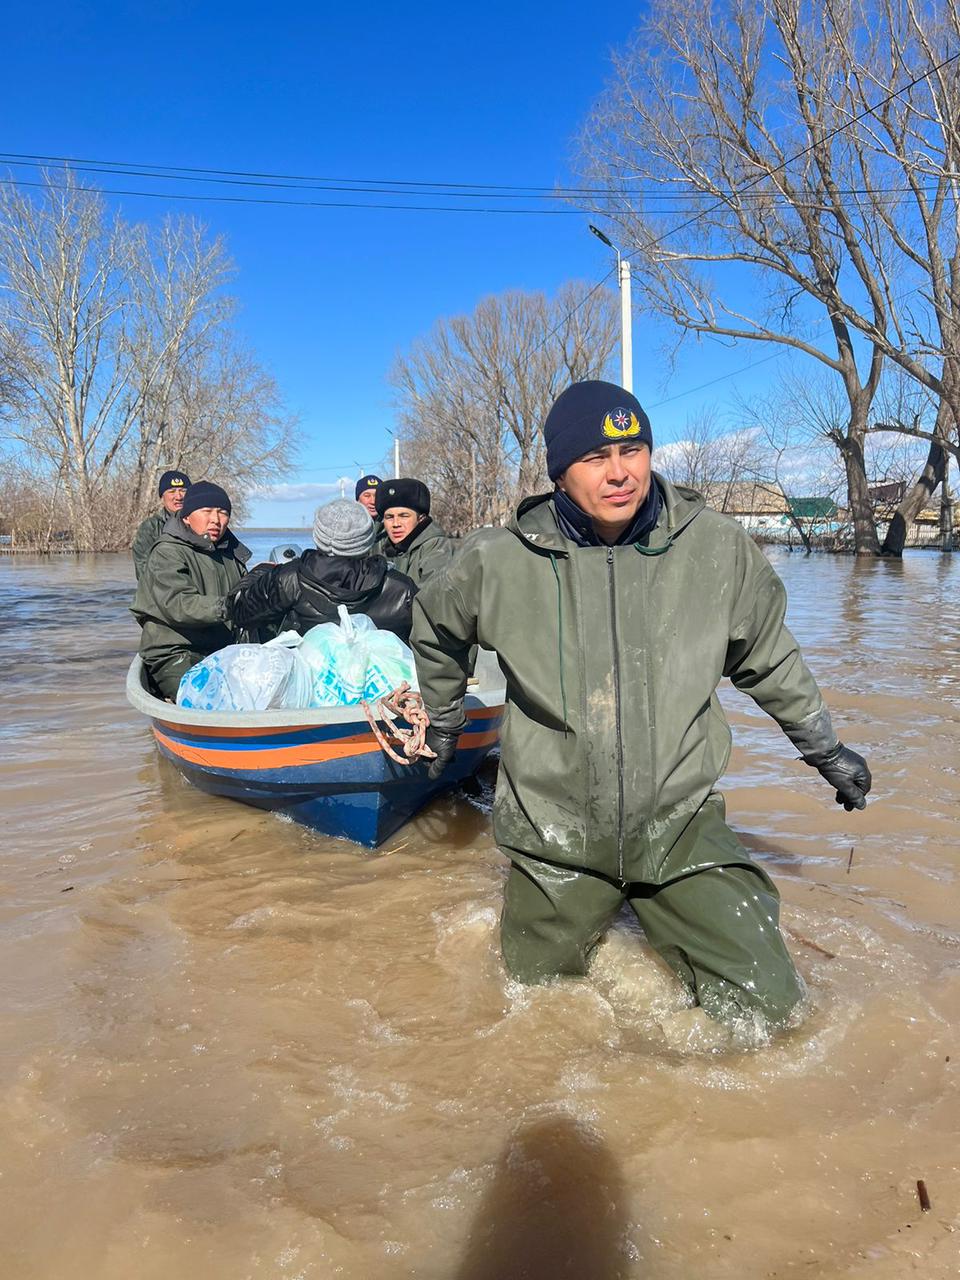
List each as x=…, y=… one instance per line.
x=175, y=528
x=535, y=522
x=343, y=579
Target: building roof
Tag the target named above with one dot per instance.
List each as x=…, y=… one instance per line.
x=746, y=497
x=813, y=508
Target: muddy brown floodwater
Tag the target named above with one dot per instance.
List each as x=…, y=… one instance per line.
x=234, y=1049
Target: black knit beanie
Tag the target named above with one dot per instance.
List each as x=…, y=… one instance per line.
x=205, y=494
x=173, y=480
x=404, y=492
x=588, y=416
x=364, y=483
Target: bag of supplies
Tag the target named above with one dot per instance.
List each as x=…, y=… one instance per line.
x=354, y=660
x=249, y=677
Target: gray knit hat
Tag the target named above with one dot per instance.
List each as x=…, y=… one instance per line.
x=342, y=528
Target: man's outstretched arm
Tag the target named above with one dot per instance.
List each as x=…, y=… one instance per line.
x=764, y=660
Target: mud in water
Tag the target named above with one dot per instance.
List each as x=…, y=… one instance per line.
x=234, y=1049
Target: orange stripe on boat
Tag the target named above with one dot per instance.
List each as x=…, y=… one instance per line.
x=290, y=757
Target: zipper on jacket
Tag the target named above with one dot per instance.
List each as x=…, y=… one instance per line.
x=616, y=695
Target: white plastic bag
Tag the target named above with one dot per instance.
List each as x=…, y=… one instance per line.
x=248, y=677
x=355, y=660
x=389, y=662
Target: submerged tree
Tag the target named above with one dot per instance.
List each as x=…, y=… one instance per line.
x=129, y=365
x=799, y=140
x=473, y=395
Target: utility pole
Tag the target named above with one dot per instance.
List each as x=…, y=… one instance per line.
x=946, y=515
x=396, y=457
x=626, y=324
x=342, y=484
x=626, y=311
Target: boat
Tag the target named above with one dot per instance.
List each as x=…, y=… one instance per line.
x=324, y=767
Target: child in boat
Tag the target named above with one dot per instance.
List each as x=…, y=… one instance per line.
x=343, y=569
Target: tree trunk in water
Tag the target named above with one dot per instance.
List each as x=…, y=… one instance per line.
x=919, y=495
x=865, y=540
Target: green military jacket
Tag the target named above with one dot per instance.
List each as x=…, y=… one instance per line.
x=613, y=735
x=180, y=596
x=146, y=538
x=427, y=551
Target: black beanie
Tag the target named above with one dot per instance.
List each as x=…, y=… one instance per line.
x=403, y=493
x=205, y=494
x=173, y=480
x=588, y=416
x=366, y=482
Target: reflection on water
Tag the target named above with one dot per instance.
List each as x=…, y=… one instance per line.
x=237, y=1049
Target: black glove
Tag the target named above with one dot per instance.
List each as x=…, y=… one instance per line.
x=444, y=743
x=264, y=593
x=845, y=771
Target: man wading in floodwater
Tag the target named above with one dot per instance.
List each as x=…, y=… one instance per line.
x=616, y=604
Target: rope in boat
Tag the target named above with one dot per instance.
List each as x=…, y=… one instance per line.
x=402, y=703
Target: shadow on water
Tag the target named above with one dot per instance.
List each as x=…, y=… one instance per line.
x=555, y=1208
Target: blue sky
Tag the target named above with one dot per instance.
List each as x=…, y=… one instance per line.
x=489, y=94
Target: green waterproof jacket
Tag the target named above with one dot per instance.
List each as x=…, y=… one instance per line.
x=180, y=596
x=146, y=538
x=613, y=735
x=423, y=554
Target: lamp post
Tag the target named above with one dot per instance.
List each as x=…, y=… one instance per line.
x=626, y=314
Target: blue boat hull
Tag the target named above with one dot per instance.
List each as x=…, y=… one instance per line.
x=364, y=798
x=322, y=768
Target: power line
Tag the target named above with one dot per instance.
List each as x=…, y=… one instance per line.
x=343, y=204
x=403, y=187
x=290, y=177
x=723, y=377
x=296, y=204
x=696, y=216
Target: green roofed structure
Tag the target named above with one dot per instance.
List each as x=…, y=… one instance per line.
x=813, y=508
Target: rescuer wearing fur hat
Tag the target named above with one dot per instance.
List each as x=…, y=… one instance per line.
x=414, y=545
x=616, y=604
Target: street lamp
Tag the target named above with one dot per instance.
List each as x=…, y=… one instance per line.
x=626, y=315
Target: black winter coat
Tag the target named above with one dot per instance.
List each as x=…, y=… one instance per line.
x=306, y=591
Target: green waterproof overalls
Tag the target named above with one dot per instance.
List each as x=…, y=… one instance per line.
x=614, y=739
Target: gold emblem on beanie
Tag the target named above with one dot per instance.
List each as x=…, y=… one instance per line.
x=176, y=483
x=620, y=424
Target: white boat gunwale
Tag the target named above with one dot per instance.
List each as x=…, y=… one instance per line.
x=488, y=692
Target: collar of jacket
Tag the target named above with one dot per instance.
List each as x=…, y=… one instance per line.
x=342, y=579
x=576, y=525
x=535, y=522
x=415, y=534
x=175, y=528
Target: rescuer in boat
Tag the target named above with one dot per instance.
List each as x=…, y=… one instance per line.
x=414, y=545
x=183, y=600
x=366, y=494
x=616, y=604
x=343, y=570
x=173, y=486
